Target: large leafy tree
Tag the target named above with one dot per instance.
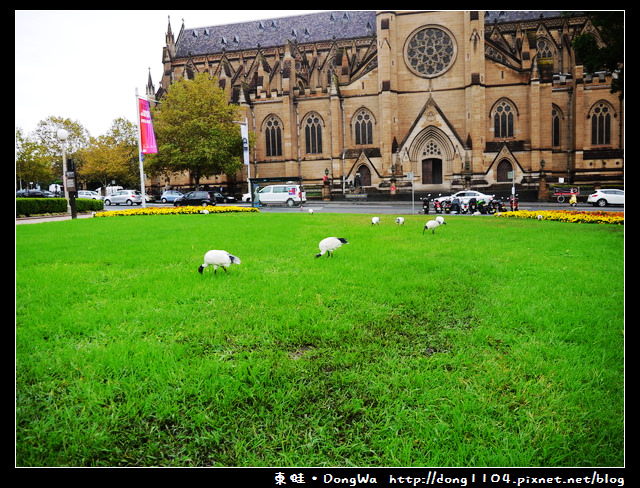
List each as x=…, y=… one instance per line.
x=608, y=54
x=111, y=157
x=32, y=166
x=39, y=154
x=196, y=131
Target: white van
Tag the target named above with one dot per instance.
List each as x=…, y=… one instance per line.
x=277, y=194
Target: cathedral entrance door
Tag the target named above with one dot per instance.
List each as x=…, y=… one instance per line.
x=365, y=175
x=432, y=171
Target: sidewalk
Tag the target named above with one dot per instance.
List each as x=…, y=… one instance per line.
x=49, y=218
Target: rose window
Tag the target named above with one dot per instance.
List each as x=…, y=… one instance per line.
x=430, y=52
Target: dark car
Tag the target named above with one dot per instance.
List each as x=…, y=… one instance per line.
x=202, y=198
x=33, y=194
x=220, y=198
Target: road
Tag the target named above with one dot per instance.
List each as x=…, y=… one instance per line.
x=399, y=208
x=382, y=208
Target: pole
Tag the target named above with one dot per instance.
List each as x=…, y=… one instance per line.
x=142, y=189
x=64, y=176
x=244, y=133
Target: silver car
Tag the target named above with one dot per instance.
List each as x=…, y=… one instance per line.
x=92, y=195
x=128, y=197
x=170, y=196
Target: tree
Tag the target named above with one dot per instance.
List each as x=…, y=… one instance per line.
x=31, y=165
x=113, y=156
x=196, y=131
x=608, y=54
x=39, y=155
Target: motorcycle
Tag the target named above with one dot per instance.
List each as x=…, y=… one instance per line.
x=483, y=208
x=473, y=206
x=446, y=206
x=464, y=207
x=455, y=205
x=437, y=206
x=425, y=204
x=497, y=205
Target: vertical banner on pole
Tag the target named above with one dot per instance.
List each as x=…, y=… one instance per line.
x=147, y=136
x=146, y=139
x=244, y=132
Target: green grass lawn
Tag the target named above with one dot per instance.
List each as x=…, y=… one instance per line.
x=493, y=342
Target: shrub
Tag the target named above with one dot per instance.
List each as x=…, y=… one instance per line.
x=43, y=206
x=35, y=206
x=89, y=205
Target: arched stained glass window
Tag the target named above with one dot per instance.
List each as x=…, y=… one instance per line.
x=555, y=127
x=363, y=127
x=313, y=133
x=600, y=124
x=273, y=136
x=503, y=119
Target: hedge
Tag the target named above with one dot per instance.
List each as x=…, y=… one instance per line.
x=43, y=206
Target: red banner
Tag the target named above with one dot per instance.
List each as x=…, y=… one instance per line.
x=147, y=136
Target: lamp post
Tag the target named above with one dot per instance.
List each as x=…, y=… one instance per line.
x=63, y=135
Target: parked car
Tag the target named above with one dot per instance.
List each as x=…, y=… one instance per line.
x=604, y=197
x=34, y=194
x=220, y=198
x=288, y=194
x=465, y=195
x=92, y=195
x=128, y=197
x=170, y=196
x=203, y=198
x=246, y=197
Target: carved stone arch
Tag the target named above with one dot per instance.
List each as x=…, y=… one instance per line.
x=357, y=111
x=598, y=103
x=557, y=109
x=362, y=126
x=502, y=170
x=427, y=138
x=271, y=116
x=434, y=154
x=499, y=101
x=311, y=113
x=499, y=165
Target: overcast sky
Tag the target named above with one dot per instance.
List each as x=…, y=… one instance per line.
x=85, y=65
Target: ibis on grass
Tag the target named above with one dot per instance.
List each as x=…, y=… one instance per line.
x=217, y=258
x=330, y=244
x=431, y=225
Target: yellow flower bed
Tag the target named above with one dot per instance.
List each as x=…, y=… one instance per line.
x=175, y=211
x=575, y=216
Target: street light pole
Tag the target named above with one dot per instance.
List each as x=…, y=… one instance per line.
x=63, y=135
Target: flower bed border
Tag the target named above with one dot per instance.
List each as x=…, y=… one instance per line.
x=572, y=216
x=186, y=210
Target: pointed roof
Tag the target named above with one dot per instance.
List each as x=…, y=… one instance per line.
x=308, y=28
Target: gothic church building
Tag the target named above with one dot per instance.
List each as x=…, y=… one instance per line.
x=368, y=99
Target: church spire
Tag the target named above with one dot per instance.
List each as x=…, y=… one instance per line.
x=151, y=90
x=169, y=36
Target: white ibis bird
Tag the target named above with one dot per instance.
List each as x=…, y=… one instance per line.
x=375, y=220
x=400, y=220
x=440, y=220
x=330, y=244
x=217, y=258
x=432, y=224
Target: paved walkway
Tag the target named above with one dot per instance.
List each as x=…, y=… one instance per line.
x=49, y=218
